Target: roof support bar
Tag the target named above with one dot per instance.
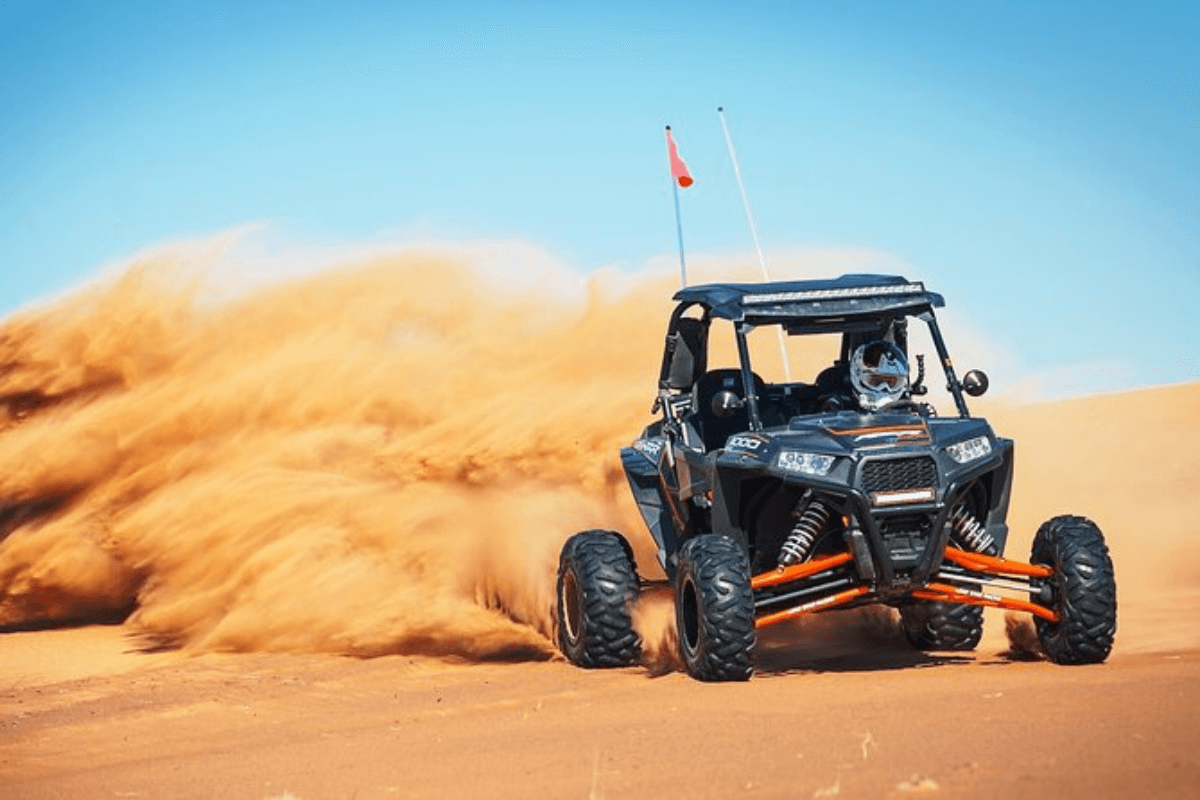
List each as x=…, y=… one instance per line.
x=748, y=377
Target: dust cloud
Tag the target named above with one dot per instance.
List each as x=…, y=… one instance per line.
x=381, y=458
x=385, y=458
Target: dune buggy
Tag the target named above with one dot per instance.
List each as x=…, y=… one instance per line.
x=768, y=501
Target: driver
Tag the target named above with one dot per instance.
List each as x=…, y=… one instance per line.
x=879, y=375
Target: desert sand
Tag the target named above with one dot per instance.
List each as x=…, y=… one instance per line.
x=254, y=545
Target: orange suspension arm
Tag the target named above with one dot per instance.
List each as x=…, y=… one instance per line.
x=955, y=594
x=812, y=605
x=995, y=566
x=797, y=571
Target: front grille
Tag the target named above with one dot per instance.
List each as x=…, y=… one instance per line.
x=899, y=474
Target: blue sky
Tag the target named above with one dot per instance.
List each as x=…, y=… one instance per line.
x=1037, y=162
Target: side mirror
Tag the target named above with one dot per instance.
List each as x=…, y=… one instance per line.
x=975, y=382
x=725, y=402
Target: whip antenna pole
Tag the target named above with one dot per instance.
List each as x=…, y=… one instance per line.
x=679, y=232
x=737, y=173
x=680, y=176
x=762, y=262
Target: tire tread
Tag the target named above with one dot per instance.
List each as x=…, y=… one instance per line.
x=718, y=569
x=1085, y=591
x=942, y=626
x=607, y=579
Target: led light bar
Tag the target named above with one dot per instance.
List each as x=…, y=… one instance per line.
x=903, y=497
x=851, y=293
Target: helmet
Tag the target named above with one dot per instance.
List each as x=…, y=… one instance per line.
x=879, y=375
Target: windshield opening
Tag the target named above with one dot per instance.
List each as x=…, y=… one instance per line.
x=810, y=359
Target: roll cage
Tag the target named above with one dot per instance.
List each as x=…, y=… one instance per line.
x=859, y=307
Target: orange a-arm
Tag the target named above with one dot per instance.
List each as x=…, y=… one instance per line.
x=975, y=562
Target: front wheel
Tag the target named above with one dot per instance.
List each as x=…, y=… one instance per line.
x=597, y=588
x=714, y=609
x=1083, y=591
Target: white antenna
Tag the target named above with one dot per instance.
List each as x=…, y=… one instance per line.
x=762, y=262
x=737, y=173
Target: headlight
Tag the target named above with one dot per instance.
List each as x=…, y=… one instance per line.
x=806, y=463
x=970, y=450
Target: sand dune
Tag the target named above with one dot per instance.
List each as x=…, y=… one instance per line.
x=1126, y=461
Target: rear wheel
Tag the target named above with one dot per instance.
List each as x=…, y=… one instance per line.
x=597, y=587
x=714, y=609
x=942, y=626
x=1083, y=591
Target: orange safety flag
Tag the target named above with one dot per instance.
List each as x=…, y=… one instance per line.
x=679, y=170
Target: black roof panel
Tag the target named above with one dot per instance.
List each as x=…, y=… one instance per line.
x=849, y=295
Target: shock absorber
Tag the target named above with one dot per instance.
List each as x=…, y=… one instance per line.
x=971, y=532
x=810, y=521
